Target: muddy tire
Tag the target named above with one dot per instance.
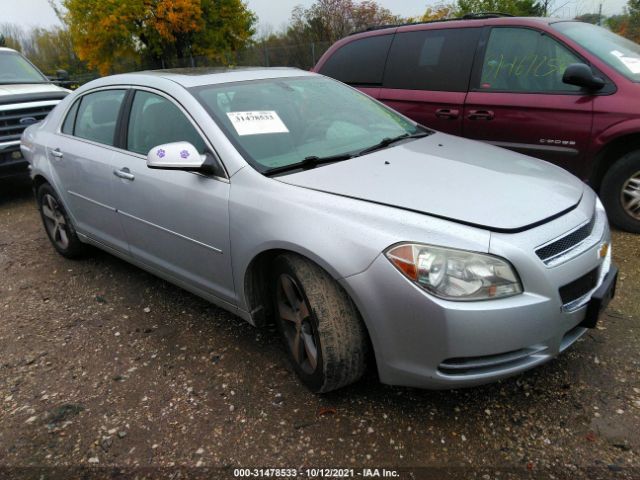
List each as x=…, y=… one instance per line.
x=323, y=333
x=57, y=223
x=620, y=192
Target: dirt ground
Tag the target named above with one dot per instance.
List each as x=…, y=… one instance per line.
x=106, y=367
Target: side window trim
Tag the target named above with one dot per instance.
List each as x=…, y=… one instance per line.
x=476, y=73
x=123, y=120
x=123, y=130
x=75, y=104
x=79, y=101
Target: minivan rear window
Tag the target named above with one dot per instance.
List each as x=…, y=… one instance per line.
x=360, y=62
x=438, y=59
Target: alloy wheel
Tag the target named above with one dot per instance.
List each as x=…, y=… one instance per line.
x=297, y=324
x=630, y=196
x=54, y=221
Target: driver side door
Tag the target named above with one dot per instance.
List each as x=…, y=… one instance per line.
x=176, y=222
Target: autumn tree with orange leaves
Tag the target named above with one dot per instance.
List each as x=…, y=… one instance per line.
x=160, y=31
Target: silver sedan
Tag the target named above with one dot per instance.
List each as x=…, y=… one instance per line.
x=285, y=196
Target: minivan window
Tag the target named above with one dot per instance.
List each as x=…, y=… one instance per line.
x=360, y=62
x=97, y=116
x=155, y=120
x=618, y=52
x=525, y=60
x=438, y=59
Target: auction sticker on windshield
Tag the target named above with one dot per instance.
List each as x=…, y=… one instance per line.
x=257, y=123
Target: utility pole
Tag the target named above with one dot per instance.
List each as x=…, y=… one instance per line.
x=600, y=15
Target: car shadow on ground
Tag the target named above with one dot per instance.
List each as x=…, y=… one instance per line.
x=12, y=190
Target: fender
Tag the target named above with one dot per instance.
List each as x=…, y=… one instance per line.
x=621, y=129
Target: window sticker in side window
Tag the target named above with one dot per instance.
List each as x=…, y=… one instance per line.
x=257, y=122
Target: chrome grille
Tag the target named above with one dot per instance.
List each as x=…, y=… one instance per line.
x=10, y=126
x=567, y=242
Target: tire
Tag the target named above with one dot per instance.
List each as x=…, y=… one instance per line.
x=623, y=176
x=325, y=314
x=57, y=223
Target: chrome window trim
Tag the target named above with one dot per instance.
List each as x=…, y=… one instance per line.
x=207, y=142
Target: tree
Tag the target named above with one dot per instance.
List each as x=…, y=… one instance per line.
x=160, y=31
x=13, y=36
x=631, y=29
x=519, y=8
x=330, y=20
x=593, y=18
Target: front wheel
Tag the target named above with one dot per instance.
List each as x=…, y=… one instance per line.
x=321, y=328
x=620, y=192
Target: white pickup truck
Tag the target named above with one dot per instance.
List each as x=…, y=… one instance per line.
x=26, y=97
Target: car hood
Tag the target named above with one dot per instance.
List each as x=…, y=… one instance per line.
x=453, y=178
x=28, y=88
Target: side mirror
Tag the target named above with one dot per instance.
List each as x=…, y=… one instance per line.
x=181, y=156
x=581, y=75
x=62, y=75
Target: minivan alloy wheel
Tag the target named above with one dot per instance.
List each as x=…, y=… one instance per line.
x=630, y=196
x=55, y=221
x=297, y=323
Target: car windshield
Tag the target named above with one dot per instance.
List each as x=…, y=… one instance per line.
x=620, y=53
x=14, y=68
x=281, y=122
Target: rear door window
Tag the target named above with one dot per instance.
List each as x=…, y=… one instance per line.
x=360, y=62
x=438, y=59
x=98, y=115
x=522, y=60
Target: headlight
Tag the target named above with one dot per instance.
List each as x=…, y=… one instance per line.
x=455, y=274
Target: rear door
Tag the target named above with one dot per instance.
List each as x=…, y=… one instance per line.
x=427, y=75
x=82, y=156
x=176, y=221
x=517, y=98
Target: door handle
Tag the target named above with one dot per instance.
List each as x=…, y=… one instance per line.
x=448, y=113
x=480, y=115
x=57, y=153
x=124, y=173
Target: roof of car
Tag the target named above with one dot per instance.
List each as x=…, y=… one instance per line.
x=194, y=77
x=470, y=21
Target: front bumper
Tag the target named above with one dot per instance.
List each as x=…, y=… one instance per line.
x=423, y=341
x=12, y=163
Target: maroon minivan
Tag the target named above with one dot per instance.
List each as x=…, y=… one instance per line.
x=564, y=91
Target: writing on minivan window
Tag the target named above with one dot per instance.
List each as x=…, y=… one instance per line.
x=529, y=65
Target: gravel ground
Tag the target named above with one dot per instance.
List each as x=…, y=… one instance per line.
x=103, y=365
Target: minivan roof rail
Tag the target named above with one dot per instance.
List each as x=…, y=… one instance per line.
x=474, y=15
x=468, y=16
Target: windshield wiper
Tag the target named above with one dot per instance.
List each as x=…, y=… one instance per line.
x=309, y=163
x=385, y=142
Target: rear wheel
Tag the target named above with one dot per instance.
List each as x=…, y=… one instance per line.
x=57, y=224
x=321, y=328
x=620, y=192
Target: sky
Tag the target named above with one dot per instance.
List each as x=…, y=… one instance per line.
x=275, y=13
